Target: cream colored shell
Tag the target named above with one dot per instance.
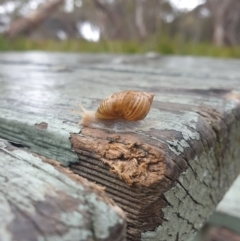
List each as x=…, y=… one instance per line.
x=126, y=105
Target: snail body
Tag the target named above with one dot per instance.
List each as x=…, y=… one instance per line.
x=122, y=106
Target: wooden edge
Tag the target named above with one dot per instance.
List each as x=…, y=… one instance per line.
x=30, y=130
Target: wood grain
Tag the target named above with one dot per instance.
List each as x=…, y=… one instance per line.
x=39, y=201
x=168, y=176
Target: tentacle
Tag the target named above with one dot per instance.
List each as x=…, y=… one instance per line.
x=87, y=116
x=80, y=112
x=77, y=112
x=81, y=107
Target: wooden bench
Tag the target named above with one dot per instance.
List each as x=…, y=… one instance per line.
x=167, y=176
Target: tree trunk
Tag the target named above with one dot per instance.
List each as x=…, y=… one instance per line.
x=30, y=22
x=218, y=34
x=218, y=8
x=233, y=21
x=139, y=19
x=112, y=18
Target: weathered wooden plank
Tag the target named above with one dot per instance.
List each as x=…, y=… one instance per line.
x=173, y=173
x=39, y=201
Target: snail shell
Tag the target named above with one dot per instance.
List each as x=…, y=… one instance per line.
x=127, y=105
x=123, y=106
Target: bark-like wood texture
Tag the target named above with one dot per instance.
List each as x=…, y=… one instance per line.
x=39, y=201
x=167, y=173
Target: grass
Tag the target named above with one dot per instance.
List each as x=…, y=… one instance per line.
x=163, y=45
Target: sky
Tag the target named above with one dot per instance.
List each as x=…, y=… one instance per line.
x=186, y=4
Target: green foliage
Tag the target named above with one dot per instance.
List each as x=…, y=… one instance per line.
x=161, y=44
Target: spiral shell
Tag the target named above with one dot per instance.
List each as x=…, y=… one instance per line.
x=126, y=105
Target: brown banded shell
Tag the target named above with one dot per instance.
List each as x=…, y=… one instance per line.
x=127, y=105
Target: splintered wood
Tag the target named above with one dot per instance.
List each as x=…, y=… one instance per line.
x=138, y=164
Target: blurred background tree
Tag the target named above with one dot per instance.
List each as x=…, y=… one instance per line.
x=210, y=28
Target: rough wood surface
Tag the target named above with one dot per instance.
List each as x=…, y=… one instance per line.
x=168, y=177
x=39, y=201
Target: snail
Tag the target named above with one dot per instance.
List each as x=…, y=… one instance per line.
x=118, y=110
